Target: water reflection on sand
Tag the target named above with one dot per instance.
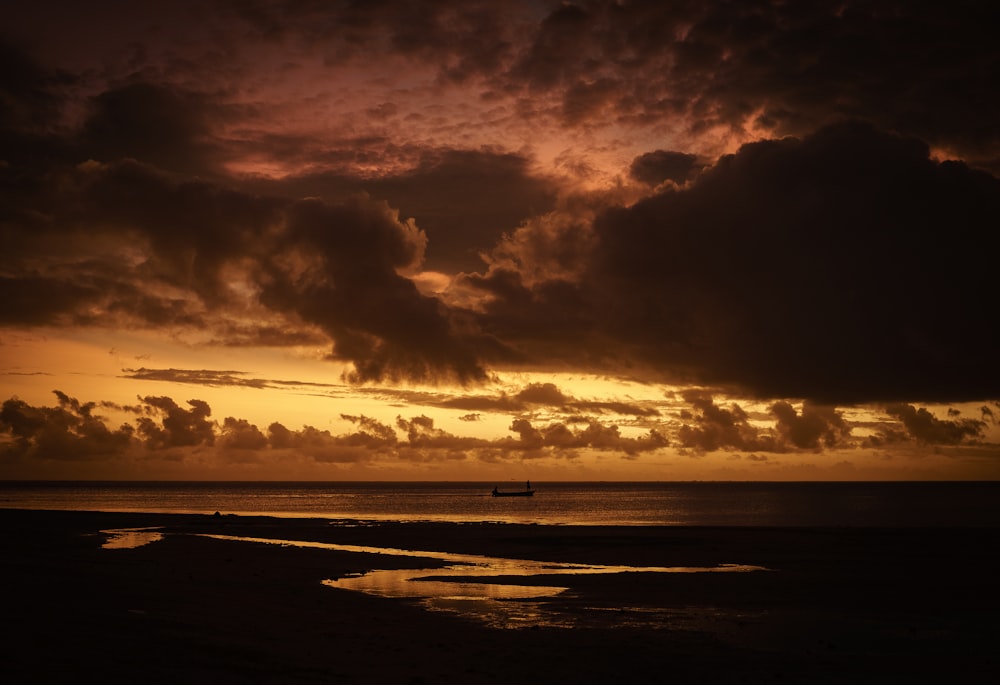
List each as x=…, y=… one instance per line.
x=477, y=586
x=130, y=538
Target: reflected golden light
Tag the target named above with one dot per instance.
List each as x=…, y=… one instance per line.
x=465, y=590
x=130, y=538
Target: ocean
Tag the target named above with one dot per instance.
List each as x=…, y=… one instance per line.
x=870, y=504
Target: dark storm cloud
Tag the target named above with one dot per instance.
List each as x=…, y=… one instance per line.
x=123, y=239
x=341, y=273
x=48, y=120
x=32, y=299
x=159, y=125
x=549, y=321
x=923, y=68
x=560, y=37
x=464, y=200
x=846, y=266
x=653, y=168
x=120, y=239
x=462, y=38
x=121, y=242
x=29, y=93
x=98, y=214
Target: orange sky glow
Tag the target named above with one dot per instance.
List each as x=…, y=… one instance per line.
x=497, y=241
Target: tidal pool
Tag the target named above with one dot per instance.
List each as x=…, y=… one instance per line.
x=475, y=586
x=457, y=587
x=130, y=538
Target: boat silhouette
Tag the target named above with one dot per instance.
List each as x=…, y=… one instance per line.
x=527, y=492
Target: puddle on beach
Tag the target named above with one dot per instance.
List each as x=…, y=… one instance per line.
x=130, y=538
x=455, y=588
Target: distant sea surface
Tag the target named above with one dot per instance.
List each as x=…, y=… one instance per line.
x=605, y=503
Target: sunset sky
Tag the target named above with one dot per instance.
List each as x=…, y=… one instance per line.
x=263, y=239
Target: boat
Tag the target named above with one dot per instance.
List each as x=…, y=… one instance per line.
x=527, y=492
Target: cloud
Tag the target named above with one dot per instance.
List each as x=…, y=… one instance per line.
x=338, y=268
x=178, y=427
x=372, y=432
x=536, y=395
x=463, y=200
x=715, y=427
x=123, y=243
x=843, y=267
x=708, y=73
x=730, y=428
x=558, y=436
x=421, y=434
x=240, y=434
x=155, y=124
x=779, y=255
x=924, y=427
x=207, y=377
x=69, y=431
x=209, y=183
x=31, y=106
x=35, y=300
x=72, y=430
x=212, y=378
x=653, y=168
x=774, y=67
x=815, y=427
x=542, y=393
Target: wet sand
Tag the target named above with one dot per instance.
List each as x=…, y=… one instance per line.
x=837, y=605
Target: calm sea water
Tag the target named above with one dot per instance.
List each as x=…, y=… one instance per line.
x=708, y=504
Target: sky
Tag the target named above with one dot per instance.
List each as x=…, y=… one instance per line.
x=461, y=240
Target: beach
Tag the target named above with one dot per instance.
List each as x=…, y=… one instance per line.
x=826, y=605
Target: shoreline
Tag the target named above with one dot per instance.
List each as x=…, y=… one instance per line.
x=837, y=605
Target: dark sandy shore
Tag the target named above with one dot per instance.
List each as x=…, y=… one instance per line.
x=839, y=605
